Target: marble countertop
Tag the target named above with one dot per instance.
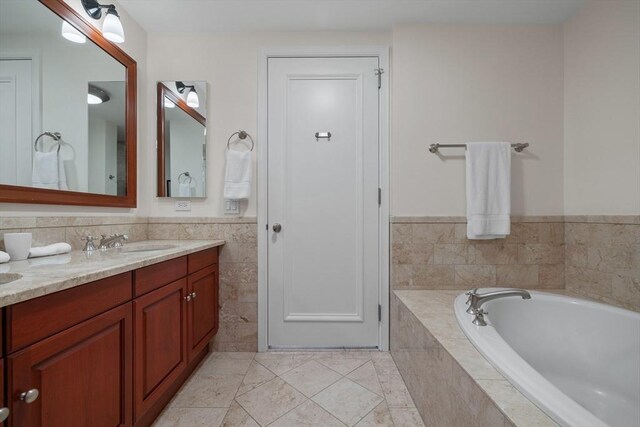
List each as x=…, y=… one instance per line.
x=46, y=275
x=434, y=309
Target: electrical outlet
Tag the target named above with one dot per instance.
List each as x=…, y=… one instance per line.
x=231, y=207
x=183, y=205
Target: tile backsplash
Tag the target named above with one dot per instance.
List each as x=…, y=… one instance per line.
x=594, y=256
x=434, y=253
x=603, y=260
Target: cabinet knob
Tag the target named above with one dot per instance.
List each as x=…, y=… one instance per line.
x=4, y=414
x=30, y=396
x=187, y=298
x=193, y=295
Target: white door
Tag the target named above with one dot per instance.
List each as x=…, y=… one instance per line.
x=323, y=264
x=16, y=139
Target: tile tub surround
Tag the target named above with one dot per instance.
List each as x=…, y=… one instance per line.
x=293, y=389
x=602, y=260
x=71, y=229
x=450, y=381
x=46, y=275
x=434, y=253
x=238, y=273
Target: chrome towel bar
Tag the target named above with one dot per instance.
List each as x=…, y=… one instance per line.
x=435, y=147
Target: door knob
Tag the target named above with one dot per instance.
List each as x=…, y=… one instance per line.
x=30, y=396
x=277, y=227
x=4, y=414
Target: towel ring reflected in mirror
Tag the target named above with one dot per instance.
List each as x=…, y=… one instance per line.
x=186, y=176
x=56, y=136
x=242, y=135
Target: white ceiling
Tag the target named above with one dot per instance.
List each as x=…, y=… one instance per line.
x=337, y=15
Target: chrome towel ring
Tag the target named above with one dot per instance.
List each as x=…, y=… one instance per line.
x=242, y=135
x=186, y=176
x=55, y=135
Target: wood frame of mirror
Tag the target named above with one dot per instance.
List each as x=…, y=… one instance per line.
x=165, y=92
x=21, y=194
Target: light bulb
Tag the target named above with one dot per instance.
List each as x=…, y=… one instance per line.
x=112, y=27
x=70, y=33
x=92, y=99
x=192, y=99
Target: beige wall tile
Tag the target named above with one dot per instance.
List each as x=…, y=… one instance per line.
x=475, y=275
x=625, y=288
x=496, y=253
x=521, y=276
x=453, y=253
x=540, y=253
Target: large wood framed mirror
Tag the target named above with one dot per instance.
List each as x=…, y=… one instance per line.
x=67, y=109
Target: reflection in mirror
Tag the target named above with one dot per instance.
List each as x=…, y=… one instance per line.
x=182, y=130
x=55, y=81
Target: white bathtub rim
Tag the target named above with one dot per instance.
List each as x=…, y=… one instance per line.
x=540, y=391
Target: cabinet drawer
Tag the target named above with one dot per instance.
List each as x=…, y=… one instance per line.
x=33, y=320
x=157, y=275
x=202, y=259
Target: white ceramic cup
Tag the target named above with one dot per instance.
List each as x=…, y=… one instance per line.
x=17, y=245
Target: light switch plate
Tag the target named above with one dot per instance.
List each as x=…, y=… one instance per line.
x=231, y=207
x=183, y=205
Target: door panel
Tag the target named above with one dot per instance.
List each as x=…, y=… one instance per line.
x=203, y=309
x=83, y=375
x=323, y=265
x=160, y=342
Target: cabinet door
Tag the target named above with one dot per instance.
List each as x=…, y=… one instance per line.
x=78, y=377
x=160, y=337
x=203, y=309
x=4, y=410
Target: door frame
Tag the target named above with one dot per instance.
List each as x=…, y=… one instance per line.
x=382, y=53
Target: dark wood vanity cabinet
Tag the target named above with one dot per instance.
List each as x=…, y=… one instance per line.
x=112, y=352
x=79, y=377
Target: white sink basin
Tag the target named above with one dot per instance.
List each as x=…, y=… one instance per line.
x=9, y=277
x=145, y=248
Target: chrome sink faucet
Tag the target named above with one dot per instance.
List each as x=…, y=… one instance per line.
x=476, y=300
x=113, y=241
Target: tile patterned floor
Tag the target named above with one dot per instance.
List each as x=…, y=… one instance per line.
x=293, y=389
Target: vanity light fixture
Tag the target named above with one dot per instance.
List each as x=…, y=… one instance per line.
x=192, y=95
x=70, y=33
x=111, y=27
x=96, y=95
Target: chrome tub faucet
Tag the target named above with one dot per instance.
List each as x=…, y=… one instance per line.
x=476, y=300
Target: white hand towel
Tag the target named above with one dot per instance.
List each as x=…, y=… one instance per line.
x=54, y=249
x=4, y=257
x=48, y=171
x=488, y=190
x=237, y=177
x=51, y=260
x=45, y=170
x=184, y=189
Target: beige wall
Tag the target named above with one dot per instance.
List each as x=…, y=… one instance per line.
x=602, y=109
x=229, y=63
x=136, y=47
x=454, y=84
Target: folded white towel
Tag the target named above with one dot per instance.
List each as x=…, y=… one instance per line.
x=48, y=171
x=488, y=190
x=4, y=257
x=237, y=177
x=184, y=189
x=54, y=249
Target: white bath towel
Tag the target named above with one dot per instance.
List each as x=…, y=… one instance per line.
x=4, y=257
x=488, y=190
x=50, y=260
x=54, y=249
x=237, y=177
x=48, y=171
x=184, y=189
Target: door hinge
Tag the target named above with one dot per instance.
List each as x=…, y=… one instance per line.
x=379, y=72
x=379, y=196
x=379, y=313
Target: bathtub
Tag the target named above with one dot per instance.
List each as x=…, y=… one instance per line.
x=578, y=361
